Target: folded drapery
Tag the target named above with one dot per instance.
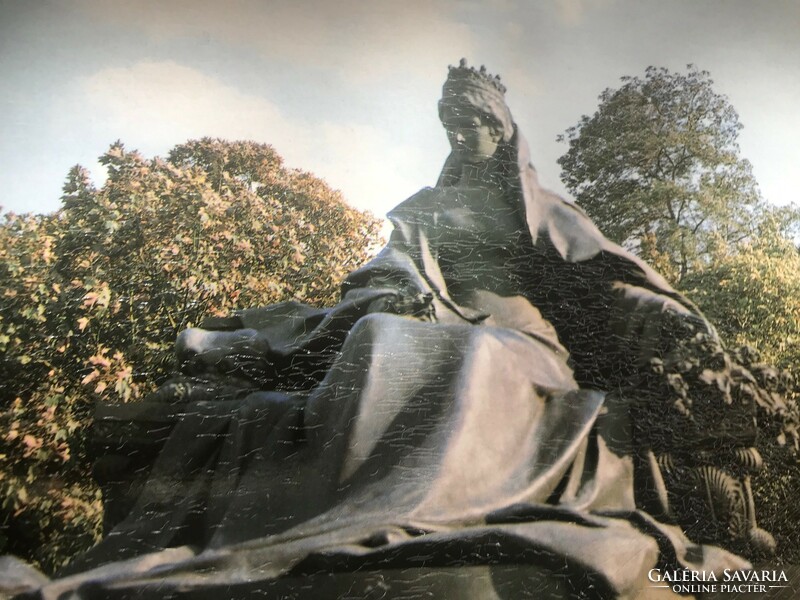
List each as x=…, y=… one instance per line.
x=499, y=407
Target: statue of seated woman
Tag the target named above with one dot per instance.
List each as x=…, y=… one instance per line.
x=504, y=404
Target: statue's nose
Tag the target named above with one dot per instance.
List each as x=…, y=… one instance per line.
x=460, y=137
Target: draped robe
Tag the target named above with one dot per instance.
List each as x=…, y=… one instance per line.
x=453, y=424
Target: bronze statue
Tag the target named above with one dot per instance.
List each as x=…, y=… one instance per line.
x=500, y=406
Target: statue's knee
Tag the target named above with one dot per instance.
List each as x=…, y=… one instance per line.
x=189, y=343
x=198, y=350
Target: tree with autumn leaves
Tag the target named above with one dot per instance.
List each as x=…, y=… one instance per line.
x=95, y=294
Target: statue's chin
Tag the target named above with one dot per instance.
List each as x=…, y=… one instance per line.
x=471, y=158
x=476, y=159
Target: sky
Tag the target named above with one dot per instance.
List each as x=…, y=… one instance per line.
x=348, y=89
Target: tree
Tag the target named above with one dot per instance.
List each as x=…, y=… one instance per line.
x=752, y=293
x=96, y=293
x=659, y=162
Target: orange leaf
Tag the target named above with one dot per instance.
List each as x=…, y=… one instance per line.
x=31, y=442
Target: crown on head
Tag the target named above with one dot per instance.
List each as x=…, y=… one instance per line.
x=464, y=74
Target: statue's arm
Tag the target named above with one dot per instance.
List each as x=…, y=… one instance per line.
x=393, y=282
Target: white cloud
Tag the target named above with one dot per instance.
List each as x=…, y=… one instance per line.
x=162, y=103
x=360, y=40
x=572, y=12
x=770, y=143
x=152, y=106
x=521, y=83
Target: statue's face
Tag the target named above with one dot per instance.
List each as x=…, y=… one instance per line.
x=473, y=135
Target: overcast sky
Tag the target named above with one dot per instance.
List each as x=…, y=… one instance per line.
x=348, y=89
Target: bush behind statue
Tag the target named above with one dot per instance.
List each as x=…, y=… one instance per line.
x=95, y=294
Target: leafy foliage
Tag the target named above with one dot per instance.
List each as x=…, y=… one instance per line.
x=96, y=293
x=659, y=160
x=752, y=293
